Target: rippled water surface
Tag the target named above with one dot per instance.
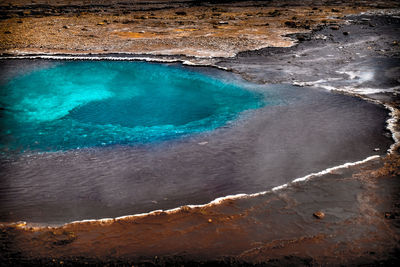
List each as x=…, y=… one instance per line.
x=156, y=136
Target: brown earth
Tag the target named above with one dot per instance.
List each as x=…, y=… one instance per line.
x=203, y=30
x=273, y=229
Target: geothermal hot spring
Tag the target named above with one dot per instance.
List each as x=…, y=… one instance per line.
x=96, y=139
x=88, y=104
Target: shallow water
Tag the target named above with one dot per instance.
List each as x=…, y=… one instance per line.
x=297, y=131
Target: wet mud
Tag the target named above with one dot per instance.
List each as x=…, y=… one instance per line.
x=274, y=229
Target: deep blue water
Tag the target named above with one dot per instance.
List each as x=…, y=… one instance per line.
x=60, y=105
x=77, y=104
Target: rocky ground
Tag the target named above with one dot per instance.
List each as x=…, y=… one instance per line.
x=347, y=217
x=192, y=28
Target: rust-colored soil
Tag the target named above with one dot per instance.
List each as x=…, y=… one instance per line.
x=200, y=30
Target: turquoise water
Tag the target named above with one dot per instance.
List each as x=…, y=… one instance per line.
x=77, y=104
